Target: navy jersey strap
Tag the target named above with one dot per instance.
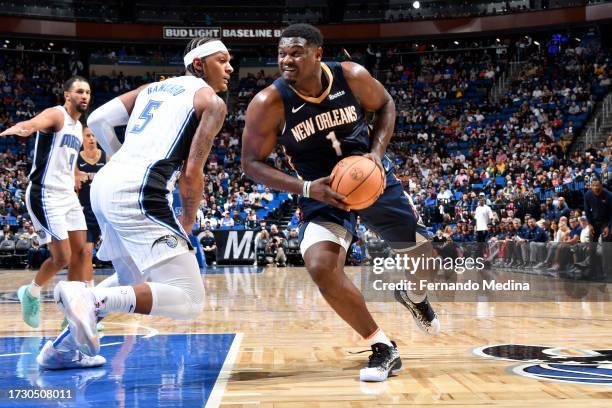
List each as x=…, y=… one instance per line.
x=282, y=88
x=338, y=73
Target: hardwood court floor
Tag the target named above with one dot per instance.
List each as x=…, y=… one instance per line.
x=294, y=349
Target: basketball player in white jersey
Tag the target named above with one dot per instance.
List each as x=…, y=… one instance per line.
x=170, y=130
x=51, y=200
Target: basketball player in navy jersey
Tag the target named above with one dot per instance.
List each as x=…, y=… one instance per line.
x=52, y=202
x=316, y=111
x=90, y=161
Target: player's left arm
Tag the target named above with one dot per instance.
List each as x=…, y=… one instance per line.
x=113, y=113
x=373, y=97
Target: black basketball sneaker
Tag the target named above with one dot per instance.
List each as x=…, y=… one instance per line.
x=423, y=314
x=383, y=362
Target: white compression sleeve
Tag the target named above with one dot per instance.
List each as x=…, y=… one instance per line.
x=177, y=287
x=102, y=123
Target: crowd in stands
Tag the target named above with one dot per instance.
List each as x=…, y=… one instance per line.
x=215, y=13
x=552, y=238
x=436, y=10
x=453, y=144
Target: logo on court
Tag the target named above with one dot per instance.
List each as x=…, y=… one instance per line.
x=560, y=364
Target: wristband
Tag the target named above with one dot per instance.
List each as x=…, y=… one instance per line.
x=306, y=189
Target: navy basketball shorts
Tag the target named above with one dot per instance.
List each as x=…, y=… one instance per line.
x=93, y=228
x=393, y=217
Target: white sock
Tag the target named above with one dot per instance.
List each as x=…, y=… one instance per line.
x=379, y=337
x=118, y=299
x=416, y=297
x=34, y=289
x=90, y=283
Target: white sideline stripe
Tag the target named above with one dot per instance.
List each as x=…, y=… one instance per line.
x=214, y=400
x=14, y=354
x=111, y=344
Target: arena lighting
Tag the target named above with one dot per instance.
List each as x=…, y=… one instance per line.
x=536, y=43
x=51, y=44
x=456, y=42
x=498, y=40
x=578, y=39
x=7, y=41
x=416, y=4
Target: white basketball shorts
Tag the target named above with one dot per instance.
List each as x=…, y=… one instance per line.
x=148, y=233
x=54, y=213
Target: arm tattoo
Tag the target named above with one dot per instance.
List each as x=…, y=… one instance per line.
x=210, y=128
x=193, y=186
x=191, y=201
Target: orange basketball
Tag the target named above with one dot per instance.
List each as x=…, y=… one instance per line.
x=359, y=179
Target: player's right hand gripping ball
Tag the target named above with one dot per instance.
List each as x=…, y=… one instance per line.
x=359, y=179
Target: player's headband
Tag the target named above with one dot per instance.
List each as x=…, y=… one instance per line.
x=204, y=50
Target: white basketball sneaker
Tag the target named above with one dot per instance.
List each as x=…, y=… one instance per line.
x=51, y=359
x=78, y=304
x=384, y=361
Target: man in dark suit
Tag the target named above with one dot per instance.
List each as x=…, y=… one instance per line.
x=598, y=209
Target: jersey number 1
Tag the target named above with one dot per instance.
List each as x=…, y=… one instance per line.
x=335, y=143
x=146, y=116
